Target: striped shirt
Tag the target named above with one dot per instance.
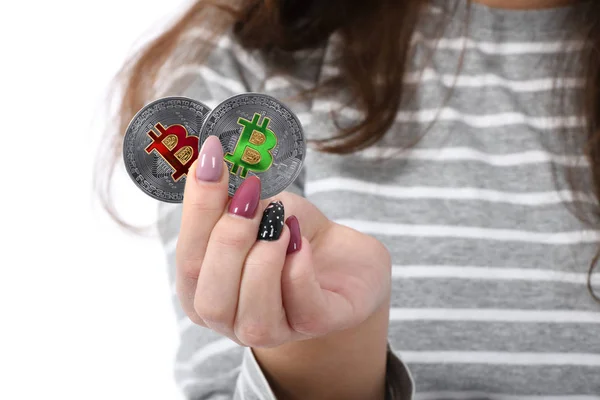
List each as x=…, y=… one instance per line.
x=489, y=296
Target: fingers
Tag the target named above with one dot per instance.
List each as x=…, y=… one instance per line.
x=204, y=200
x=232, y=283
x=221, y=272
x=260, y=319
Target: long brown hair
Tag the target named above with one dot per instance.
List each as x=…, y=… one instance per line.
x=377, y=44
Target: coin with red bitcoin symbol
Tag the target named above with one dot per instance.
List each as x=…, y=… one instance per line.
x=160, y=145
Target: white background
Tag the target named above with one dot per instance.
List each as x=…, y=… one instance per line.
x=85, y=308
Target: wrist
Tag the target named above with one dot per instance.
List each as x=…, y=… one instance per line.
x=349, y=364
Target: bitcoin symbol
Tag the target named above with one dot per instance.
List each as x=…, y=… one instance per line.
x=252, y=152
x=175, y=146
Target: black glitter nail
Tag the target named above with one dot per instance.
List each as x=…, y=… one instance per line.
x=272, y=222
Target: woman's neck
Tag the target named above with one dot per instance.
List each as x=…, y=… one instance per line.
x=524, y=4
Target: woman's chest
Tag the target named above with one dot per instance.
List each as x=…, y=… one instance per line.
x=489, y=261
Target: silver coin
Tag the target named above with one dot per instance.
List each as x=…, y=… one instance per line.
x=260, y=136
x=161, y=142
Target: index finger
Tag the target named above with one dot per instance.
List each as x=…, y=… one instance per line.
x=204, y=201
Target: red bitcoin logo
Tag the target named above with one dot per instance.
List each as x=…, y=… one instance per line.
x=175, y=146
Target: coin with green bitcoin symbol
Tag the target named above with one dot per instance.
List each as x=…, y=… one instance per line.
x=260, y=136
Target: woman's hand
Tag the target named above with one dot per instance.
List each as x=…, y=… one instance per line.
x=236, y=277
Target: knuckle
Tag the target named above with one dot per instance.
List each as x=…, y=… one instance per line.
x=255, y=334
x=195, y=318
x=381, y=249
x=259, y=262
x=188, y=269
x=382, y=254
x=204, y=205
x=211, y=313
x=233, y=238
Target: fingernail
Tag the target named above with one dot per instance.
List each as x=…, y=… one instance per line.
x=246, y=198
x=210, y=160
x=295, y=236
x=271, y=224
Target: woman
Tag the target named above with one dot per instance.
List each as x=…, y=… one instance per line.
x=442, y=237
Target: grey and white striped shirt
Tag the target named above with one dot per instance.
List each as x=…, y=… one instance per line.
x=488, y=297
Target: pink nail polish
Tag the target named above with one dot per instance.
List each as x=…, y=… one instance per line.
x=210, y=160
x=295, y=236
x=246, y=198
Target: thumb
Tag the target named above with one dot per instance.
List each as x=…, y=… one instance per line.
x=309, y=309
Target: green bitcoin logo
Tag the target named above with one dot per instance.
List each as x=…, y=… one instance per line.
x=253, y=149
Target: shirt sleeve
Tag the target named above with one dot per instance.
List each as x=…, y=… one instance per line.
x=209, y=366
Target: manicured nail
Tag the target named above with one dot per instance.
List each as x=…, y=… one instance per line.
x=246, y=198
x=210, y=160
x=271, y=224
x=295, y=236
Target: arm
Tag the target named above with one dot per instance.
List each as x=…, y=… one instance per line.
x=213, y=364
